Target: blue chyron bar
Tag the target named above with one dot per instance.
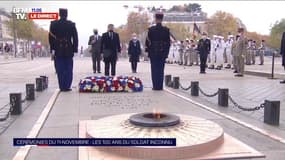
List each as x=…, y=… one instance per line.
x=95, y=142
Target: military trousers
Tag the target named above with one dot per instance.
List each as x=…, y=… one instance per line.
x=261, y=56
x=240, y=64
x=64, y=70
x=157, y=72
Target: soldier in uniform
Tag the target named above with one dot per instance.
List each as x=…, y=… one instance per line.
x=261, y=52
x=187, y=58
x=181, y=51
x=63, y=40
x=248, y=53
x=228, y=46
x=157, y=46
x=204, y=48
x=241, y=50
x=253, y=52
x=234, y=53
x=95, y=43
x=220, y=53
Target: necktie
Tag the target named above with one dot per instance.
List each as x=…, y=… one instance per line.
x=111, y=35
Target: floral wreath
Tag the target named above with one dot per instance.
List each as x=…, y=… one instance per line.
x=110, y=84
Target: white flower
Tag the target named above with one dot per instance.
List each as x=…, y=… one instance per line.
x=137, y=85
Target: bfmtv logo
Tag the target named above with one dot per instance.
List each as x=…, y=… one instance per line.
x=33, y=13
x=20, y=13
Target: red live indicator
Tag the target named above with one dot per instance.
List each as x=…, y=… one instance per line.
x=43, y=15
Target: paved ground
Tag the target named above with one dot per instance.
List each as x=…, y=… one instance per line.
x=71, y=107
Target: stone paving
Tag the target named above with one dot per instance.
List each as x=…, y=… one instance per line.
x=72, y=107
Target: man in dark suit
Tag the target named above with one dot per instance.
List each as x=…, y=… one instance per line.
x=157, y=46
x=95, y=42
x=282, y=52
x=204, y=48
x=110, y=47
x=63, y=40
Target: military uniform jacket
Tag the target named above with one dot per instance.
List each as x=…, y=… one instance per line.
x=204, y=47
x=63, y=38
x=241, y=46
x=282, y=49
x=158, y=41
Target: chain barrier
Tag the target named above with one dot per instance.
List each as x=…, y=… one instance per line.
x=184, y=88
x=261, y=106
x=244, y=108
x=208, y=95
x=13, y=101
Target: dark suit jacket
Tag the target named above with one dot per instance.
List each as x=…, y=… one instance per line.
x=95, y=47
x=112, y=44
x=134, y=50
x=282, y=49
x=204, y=47
x=63, y=30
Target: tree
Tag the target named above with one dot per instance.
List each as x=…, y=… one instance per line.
x=256, y=37
x=276, y=33
x=222, y=23
x=191, y=8
x=136, y=23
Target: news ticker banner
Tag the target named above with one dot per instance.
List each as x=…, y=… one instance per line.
x=34, y=14
x=94, y=142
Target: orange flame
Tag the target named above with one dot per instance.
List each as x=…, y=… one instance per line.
x=156, y=114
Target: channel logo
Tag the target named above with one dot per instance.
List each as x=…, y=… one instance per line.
x=34, y=14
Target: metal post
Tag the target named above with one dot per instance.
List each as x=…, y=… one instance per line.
x=30, y=92
x=45, y=81
x=175, y=83
x=16, y=104
x=194, y=88
x=272, y=112
x=272, y=68
x=223, y=97
x=167, y=80
x=39, y=84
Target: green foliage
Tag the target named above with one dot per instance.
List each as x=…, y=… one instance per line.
x=191, y=7
x=222, y=23
x=276, y=33
x=137, y=23
x=27, y=29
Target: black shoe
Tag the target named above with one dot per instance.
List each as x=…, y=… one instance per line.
x=94, y=71
x=202, y=72
x=260, y=64
x=157, y=89
x=99, y=71
x=235, y=71
x=282, y=81
x=66, y=90
x=239, y=75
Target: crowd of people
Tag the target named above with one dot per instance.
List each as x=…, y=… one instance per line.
x=222, y=53
x=232, y=52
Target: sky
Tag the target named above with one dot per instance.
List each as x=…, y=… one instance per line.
x=258, y=16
